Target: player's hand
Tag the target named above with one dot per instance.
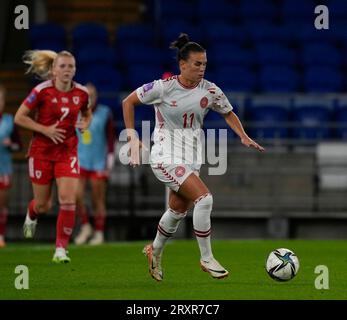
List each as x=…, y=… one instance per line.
x=134, y=151
x=83, y=124
x=54, y=133
x=248, y=142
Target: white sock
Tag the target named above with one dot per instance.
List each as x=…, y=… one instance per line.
x=167, y=227
x=202, y=225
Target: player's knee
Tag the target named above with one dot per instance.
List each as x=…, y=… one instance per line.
x=205, y=202
x=179, y=214
x=67, y=199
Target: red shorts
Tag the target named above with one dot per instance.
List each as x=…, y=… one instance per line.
x=90, y=174
x=5, y=181
x=44, y=171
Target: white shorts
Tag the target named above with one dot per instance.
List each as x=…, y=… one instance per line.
x=173, y=175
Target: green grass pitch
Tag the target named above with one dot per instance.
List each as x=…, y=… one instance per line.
x=119, y=271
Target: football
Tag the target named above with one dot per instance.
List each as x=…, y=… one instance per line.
x=282, y=264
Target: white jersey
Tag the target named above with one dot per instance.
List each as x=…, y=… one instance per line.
x=180, y=112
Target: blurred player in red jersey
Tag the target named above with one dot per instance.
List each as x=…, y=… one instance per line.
x=9, y=142
x=52, y=154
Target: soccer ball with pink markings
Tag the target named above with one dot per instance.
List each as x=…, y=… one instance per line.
x=282, y=264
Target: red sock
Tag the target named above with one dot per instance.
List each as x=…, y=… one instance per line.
x=99, y=221
x=65, y=224
x=32, y=211
x=82, y=214
x=3, y=221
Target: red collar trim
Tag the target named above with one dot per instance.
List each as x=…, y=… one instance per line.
x=186, y=87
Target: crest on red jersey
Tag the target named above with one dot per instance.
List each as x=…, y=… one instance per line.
x=76, y=100
x=38, y=174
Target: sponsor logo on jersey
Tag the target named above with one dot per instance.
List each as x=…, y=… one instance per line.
x=148, y=86
x=32, y=97
x=173, y=103
x=54, y=100
x=180, y=171
x=203, y=102
x=76, y=100
x=65, y=100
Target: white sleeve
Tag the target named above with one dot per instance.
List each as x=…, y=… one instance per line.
x=221, y=103
x=150, y=93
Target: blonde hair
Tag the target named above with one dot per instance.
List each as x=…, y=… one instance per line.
x=41, y=62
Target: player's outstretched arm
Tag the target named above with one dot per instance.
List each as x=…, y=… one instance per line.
x=235, y=124
x=23, y=119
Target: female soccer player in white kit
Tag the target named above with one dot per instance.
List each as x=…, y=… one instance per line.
x=181, y=103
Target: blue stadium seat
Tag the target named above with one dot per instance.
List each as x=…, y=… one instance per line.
x=337, y=9
x=275, y=53
x=264, y=9
x=171, y=9
x=140, y=53
x=323, y=79
x=47, y=36
x=170, y=32
x=298, y=10
x=235, y=79
x=228, y=54
x=312, y=122
x=308, y=33
x=138, y=75
x=279, y=78
x=223, y=32
x=87, y=34
x=134, y=33
x=341, y=122
x=268, y=122
x=90, y=56
x=106, y=79
x=320, y=54
x=272, y=33
x=219, y=10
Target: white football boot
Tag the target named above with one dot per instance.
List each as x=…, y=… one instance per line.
x=84, y=234
x=29, y=227
x=60, y=256
x=154, y=263
x=98, y=238
x=214, y=268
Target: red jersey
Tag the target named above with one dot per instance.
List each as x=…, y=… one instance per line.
x=52, y=106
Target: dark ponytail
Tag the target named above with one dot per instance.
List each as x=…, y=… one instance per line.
x=184, y=47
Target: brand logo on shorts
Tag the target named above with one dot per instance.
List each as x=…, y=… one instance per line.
x=76, y=100
x=180, y=171
x=203, y=102
x=38, y=174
